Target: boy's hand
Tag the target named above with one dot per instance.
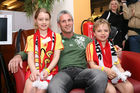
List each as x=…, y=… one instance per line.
x=110, y=73
x=119, y=50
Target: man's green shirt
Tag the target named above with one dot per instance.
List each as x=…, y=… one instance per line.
x=23, y=55
x=74, y=51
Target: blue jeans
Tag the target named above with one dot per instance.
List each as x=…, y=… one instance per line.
x=134, y=43
x=93, y=80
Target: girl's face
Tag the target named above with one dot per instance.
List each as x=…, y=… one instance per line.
x=114, y=5
x=43, y=21
x=102, y=32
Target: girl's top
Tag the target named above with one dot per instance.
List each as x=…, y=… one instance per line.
x=43, y=48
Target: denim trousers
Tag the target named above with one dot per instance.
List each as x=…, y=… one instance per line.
x=134, y=43
x=93, y=80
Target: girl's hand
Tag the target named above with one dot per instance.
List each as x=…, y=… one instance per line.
x=110, y=73
x=45, y=75
x=34, y=75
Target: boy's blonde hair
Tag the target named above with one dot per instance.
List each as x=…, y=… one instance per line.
x=99, y=22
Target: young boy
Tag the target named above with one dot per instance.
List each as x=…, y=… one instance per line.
x=102, y=55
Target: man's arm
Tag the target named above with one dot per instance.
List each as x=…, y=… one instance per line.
x=17, y=60
x=23, y=55
x=127, y=12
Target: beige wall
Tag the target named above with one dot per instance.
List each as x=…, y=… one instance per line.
x=59, y=6
x=81, y=12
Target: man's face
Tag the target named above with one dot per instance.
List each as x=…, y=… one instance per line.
x=66, y=23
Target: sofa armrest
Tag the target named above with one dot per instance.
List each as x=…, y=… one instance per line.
x=20, y=78
x=131, y=62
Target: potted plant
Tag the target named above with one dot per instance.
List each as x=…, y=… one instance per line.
x=31, y=5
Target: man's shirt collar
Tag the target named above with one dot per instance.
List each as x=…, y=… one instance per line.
x=63, y=37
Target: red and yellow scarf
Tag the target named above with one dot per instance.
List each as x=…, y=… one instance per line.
x=104, y=56
x=48, y=52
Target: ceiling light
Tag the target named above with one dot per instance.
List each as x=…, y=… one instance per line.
x=8, y=2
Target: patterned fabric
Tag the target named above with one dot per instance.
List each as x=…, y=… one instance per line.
x=102, y=56
x=74, y=52
x=50, y=40
x=43, y=46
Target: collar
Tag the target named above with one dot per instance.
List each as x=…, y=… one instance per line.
x=114, y=13
x=63, y=37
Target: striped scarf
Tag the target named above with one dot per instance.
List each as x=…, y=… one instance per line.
x=51, y=39
x=104, y=56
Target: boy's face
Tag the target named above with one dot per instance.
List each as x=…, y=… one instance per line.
x=102, y=32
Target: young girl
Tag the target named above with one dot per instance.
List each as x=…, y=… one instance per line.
x=43, y=50
x=102, y=55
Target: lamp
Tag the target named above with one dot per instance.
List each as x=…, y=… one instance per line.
x=8, y=2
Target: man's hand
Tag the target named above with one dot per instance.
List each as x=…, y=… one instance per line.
x=123, y=0
x=14, y=62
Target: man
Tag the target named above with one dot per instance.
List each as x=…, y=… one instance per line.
x=132, y=14
x=72, y=63
x=73, y=71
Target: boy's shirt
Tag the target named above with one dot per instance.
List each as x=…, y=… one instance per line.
x=90, y=52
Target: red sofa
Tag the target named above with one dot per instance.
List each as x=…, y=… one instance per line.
x=130, y=61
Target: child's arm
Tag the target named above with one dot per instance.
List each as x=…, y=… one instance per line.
x=34, y=72
x=53, y=63
x=118, y=50
x=55, y=59
x=110, y=73
x=120, y=67
x=89, y=55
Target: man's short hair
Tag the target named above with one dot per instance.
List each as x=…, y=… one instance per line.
x=61, y=13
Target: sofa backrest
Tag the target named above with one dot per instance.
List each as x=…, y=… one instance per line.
x=8, y=51
x=20, y=39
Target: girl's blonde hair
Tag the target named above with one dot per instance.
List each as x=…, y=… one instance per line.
x=99, y=22
x=118, y=5
x=41, y=10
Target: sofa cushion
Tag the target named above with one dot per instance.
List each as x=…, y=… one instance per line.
x=136, y=85
x=78, y=90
